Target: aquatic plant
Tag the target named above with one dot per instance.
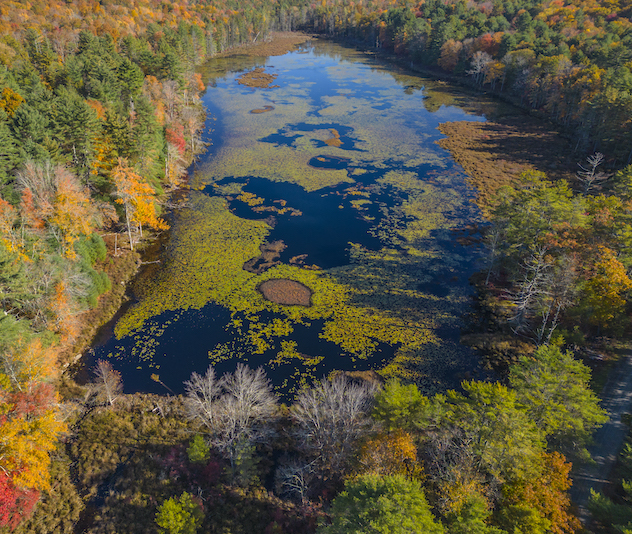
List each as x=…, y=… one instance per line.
x=396, y=177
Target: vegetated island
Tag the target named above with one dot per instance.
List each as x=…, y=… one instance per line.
x=286, y=292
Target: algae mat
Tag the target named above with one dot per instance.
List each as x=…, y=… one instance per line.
x=344, y=169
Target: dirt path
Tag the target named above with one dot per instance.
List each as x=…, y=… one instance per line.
x=608, y=440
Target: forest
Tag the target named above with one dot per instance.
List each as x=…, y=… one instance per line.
x=100, y=117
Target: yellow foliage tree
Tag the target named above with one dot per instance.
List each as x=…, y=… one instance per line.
x=29, y=418
x=25, y=445
x=73, y=213
x=603, y=293
x=138, y=199
x=394, y=453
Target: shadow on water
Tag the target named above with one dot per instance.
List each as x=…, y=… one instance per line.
x=192, y=335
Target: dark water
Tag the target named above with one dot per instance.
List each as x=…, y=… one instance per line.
x=386, y=120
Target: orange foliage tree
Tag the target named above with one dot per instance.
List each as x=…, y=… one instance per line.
x=392, y=453
x=547, y=494
x=29, y=426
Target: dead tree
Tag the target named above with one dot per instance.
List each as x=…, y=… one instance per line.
x=108, y=381
x=234, y=410
x=531, y=290
x=331, y=416
x=589, y=175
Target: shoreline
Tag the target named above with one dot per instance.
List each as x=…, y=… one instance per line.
x=125, y=268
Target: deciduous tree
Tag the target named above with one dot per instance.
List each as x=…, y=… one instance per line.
x=386, y=505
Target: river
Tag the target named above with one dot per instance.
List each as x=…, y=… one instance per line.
x=332, y=171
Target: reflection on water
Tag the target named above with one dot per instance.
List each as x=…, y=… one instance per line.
x=342, y=167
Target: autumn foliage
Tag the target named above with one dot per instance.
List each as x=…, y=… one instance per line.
x=29, y=428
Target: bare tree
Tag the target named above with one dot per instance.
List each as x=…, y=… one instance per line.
x=479, y=63
x=589, y=175
x=234, y=409
x=202, y=393
x=108, y=381
x=294, y=477
x=531, y=289
x=561, y=294
x=331, y=416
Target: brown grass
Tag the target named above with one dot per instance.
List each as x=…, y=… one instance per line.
x=120, y=269
x=335, y=140
x=265, y=109
x=279, y=43
x=494, y=153
x=286, y=292
x=258, y=78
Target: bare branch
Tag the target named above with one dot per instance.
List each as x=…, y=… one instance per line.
x=108, y=381
x=332, y=415
x=588, y=175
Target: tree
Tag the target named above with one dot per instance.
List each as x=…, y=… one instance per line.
x=603, y=292
x=29, y=424
x=394, y=453
x=505, y=442
x=137, y=198
x=52, y=194
x=450, y=52
x=331, y=416
x=8, y=218
x=589, y=175
x=399, y=406
x=73, y=213
x=479, y=63
x=547, y=495
x=179, y=515
x=471, y=517
x=198, y=451
x=554, y=390
x=15, y=504
x=108, y=381
x=234, y=411
x=9, y=157
x=77, y=126
x=371, y=504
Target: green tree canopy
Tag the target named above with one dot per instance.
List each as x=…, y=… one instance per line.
x=399, y=406
x=371, y=504
x=179, y=515
x=553, y=389
x=506, y=442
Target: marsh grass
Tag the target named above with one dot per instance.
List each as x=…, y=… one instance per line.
x=258, y=78
x=286, y=292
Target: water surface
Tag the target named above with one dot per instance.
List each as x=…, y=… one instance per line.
x=344, y=169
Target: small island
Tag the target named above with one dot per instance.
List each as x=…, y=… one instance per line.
x=286, y=292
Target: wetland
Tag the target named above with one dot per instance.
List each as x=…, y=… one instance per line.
x=322, y=231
